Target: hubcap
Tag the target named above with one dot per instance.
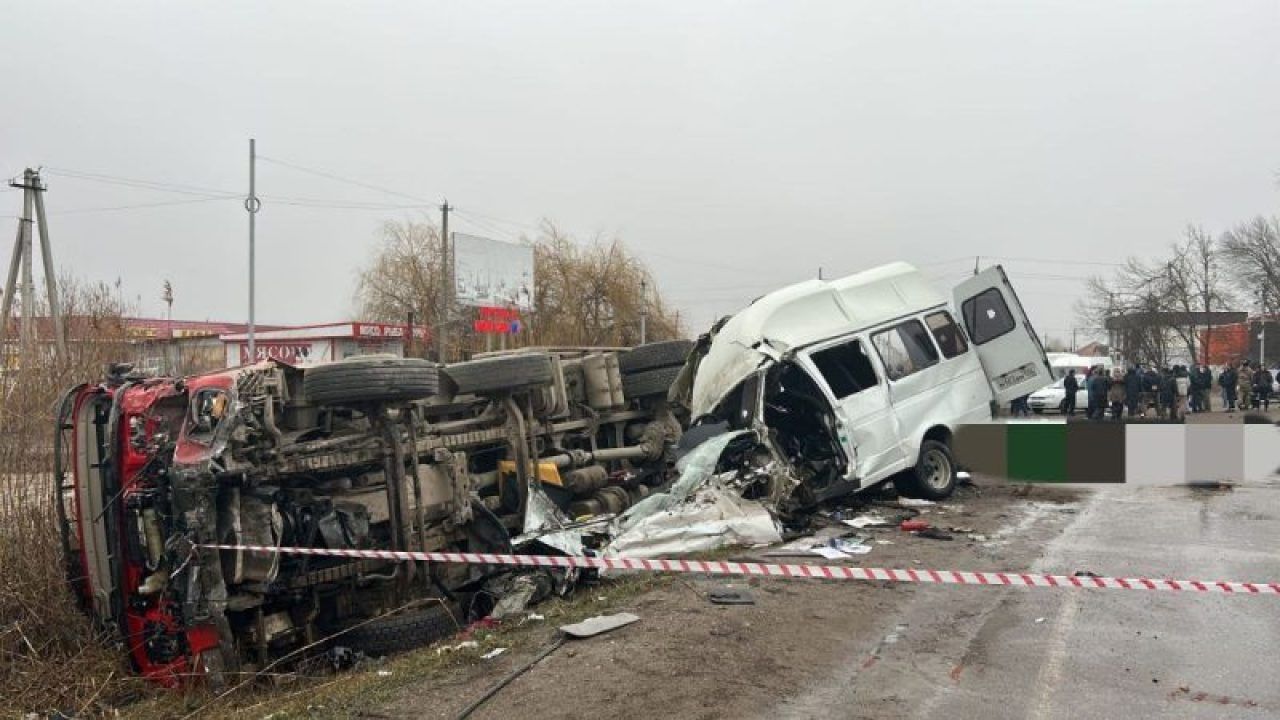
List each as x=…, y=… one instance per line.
x=937, y=469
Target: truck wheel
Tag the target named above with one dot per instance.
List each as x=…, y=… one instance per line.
x=506, y=372
x=934, y=476
x=371, y=379
x=649, y=382
x=655, y=355
x=398, y=633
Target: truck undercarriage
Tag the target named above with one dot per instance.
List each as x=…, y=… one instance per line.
x=374, y=452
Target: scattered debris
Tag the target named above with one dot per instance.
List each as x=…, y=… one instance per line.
x=978, y=538
x=915, y=502
x=934, y=534
x=464, y=645
x=867, y=520
x=1039, y=620
x=385, y=673
x=1086, y=573
x=534, y=617
x=516, y=591
x=598, y=624
x=826, y=543
x=726, y=595
x=342, y=657
x=913, y=525
x=961, y=530
x=493, y=653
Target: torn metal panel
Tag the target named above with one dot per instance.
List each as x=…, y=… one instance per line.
x=702, y=511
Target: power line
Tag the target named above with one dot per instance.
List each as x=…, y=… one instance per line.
x=141, y=184
x=339, y=178
x=77, y=211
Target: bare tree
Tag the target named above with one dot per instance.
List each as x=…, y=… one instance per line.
x=1193, y=283
x=1158, y=301
x=586, y=294
x=1251, y=252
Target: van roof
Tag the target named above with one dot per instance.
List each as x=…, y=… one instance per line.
x=814, y=310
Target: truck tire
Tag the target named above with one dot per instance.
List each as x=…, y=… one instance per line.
x=933, y=477
x=647, y=383
x=398, y=633
x=371, y=379
x=506, y=372
x=655, y=355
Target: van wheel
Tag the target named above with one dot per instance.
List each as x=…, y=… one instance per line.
x=934, y=476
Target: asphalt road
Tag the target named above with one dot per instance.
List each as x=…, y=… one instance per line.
x=1030, y=653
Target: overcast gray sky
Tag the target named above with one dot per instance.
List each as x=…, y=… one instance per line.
x=736, y=146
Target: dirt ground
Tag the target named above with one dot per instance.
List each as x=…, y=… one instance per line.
x=689, y=658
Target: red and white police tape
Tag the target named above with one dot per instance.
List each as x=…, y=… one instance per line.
x=821, y=572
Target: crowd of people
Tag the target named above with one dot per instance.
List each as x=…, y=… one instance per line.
x=1169, y=392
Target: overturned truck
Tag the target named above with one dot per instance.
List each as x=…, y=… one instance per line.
x=373, y=452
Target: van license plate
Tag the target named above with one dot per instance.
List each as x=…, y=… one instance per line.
x=1016, y=376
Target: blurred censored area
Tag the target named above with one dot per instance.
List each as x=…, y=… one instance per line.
x=1161, y=453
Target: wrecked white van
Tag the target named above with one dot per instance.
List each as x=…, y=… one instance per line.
x=853, y=382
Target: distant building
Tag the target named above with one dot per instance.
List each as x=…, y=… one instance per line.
x=158, y=346
x=1238, y=341
x=309, y=344
x=1094, y=349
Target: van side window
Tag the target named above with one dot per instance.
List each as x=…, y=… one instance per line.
x=846, y=368
x=947, y=333
x=986, y=316
x=905, y=349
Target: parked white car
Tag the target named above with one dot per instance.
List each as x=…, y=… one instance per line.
x=1054, y=397
x=854, y=381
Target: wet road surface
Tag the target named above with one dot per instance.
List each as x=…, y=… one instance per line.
x=1032, y=653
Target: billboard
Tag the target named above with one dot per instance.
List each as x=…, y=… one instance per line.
x=492, y=273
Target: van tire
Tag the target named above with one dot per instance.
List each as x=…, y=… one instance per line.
x=397, y=633
x=371, y=379
x=655, y=355
x=934, y=475
x=505, y=372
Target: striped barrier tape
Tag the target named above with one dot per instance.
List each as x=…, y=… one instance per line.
x=820, y=572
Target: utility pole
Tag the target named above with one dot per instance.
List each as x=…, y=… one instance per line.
x=976, y=258
x=819, y=272
x=644, y=308
x=446, y=286
x=24, y=258
x=1073, y=339
x=253, y=205
x=1262, y=334
x=167, y=296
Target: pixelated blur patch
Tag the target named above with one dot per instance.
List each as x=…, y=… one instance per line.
x=1095, y=453
x=1038, y=452
x=1139, y=453
x=981, y=449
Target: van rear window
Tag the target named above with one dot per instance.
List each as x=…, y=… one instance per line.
x=986, y=316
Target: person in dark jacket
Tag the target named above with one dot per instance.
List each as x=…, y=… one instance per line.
x=1168, y=395
x=1204, y=377
x=1150, y=389
x=1070, y=386
x=1227, y=381
x=1262, y=388
x=1097, y=386
x=1133, y=390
